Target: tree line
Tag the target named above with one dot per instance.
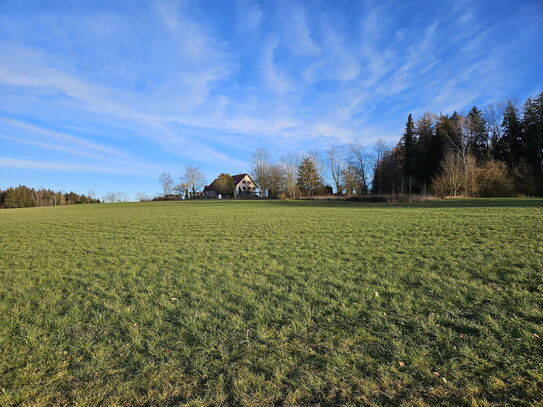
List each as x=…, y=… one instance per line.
x=292, y=176
x=497, y=151
x=494, y=151
x=24, y=197
x=188, y=185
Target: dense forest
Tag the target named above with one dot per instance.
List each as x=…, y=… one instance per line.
x=24, y=197
x=497, y=151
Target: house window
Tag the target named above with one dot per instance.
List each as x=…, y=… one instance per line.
x=244, y=188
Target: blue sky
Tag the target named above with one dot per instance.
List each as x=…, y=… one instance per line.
x=106, y=95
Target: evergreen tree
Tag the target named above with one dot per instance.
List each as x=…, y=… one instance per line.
x=309, y=179
x=10, y=199
x=478, y=141
x=408, y=143
x=511, y=148
x=389, y=173
x=430, y=147
x=437, y=148
x=24, y=197
x=532, y=125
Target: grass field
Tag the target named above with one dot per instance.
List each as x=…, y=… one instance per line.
x=272, y=303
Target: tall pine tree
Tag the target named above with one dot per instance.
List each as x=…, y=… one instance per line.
x=430, y=147
x=309, y=179
x=408, y=144
x=532, y=124
x=511, y=148
x=478, y=140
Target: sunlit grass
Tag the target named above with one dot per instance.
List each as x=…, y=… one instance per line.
x=272, y=303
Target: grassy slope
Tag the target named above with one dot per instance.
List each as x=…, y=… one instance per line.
x=256, y=303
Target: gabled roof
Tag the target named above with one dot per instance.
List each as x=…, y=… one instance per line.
x=239, y=177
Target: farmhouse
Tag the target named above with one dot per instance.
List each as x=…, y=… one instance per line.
x=244, y=187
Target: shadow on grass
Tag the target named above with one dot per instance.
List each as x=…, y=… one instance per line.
x=438, y=203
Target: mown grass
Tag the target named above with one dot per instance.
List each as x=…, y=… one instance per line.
x=272, y=303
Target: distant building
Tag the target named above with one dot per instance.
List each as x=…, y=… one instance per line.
x=210, y=191
x=244, y=187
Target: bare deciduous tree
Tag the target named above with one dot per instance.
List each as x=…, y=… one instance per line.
x=452, y=177
x=181, y=189
x=334, y=157
x=109, y=197
x=358, y=160
x=112, y=197
x=459, y=138
x=493, y=115
x=193, y=179
x=459, y=135
x=142, y=197
x=380, y=150
x=166, y=182
x=290, y=165
x=261, y=164
x=276, y=180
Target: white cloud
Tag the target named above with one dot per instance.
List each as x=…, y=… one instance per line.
x=250, y=13
x=296, y=29
x=189, y=37
x=274, y=77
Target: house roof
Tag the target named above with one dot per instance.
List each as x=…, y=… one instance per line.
x=239, y=177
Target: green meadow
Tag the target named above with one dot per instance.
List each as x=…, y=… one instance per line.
x=272, y=303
